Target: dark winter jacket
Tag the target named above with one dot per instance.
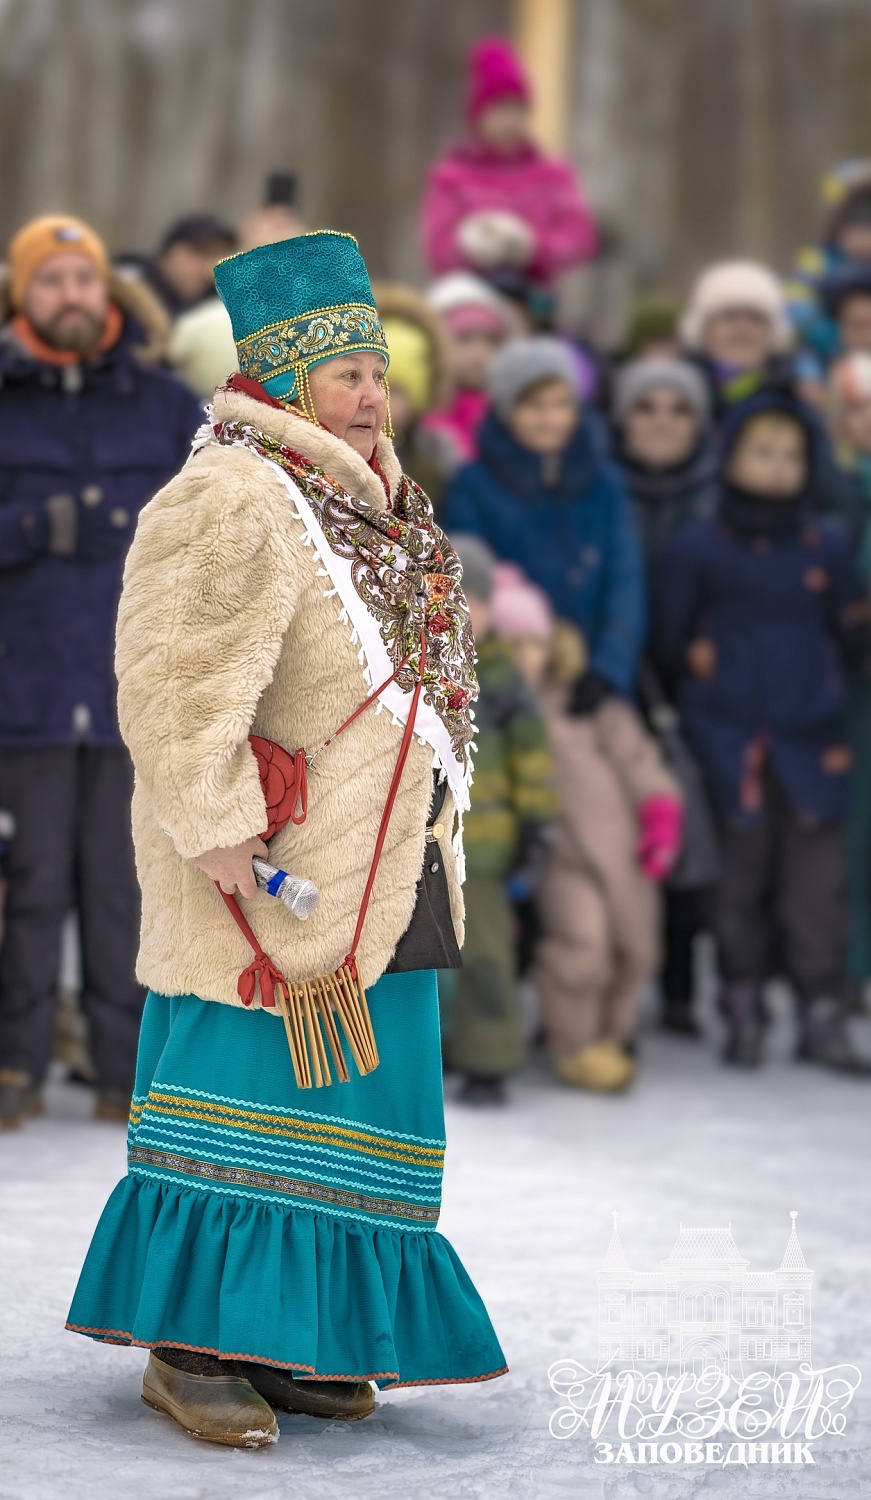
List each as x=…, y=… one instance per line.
x=567, y=522
x=82, y=448
x=777, y=595
x=664, y=499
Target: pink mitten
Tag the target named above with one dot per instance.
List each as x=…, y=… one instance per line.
x=659, y=841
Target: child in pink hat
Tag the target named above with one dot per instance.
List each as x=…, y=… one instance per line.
x=477, y=321
x=496, y=202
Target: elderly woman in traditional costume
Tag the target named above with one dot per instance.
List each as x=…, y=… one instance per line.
x=295, y=665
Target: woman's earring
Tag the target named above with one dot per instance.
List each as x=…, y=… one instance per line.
x=304, y=395
x=388, y=425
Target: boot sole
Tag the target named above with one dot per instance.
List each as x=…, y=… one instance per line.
x=323, y=1416
x=240, y=1440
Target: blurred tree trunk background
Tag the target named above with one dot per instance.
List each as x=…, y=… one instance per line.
x=701, y=126
x=704, y=126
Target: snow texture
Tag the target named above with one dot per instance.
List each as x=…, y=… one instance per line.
x=529, y=1191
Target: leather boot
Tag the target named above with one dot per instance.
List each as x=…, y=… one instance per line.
x=334, y=1400
x=604, y=1067
x=741, y=1004
x=220, y=1408
x=480, y=1090
x=826, y=1039
x=20, y=1098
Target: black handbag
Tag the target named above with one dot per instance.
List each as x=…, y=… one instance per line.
x=698, y=864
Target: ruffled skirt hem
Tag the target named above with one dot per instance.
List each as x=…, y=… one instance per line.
x=281, y=1285
x=386, y=1379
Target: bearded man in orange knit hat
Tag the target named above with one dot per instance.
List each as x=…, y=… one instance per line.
x=90, y=427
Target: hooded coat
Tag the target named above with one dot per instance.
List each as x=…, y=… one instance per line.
x=96, y=440
x=831, y=494
x=777, y=594
x=567, y=522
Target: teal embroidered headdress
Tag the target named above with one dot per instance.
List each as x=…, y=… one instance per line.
x=295, y=303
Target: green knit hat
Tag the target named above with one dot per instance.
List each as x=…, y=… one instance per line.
x=296, y=303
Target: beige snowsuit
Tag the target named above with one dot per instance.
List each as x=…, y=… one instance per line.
x=599, y=913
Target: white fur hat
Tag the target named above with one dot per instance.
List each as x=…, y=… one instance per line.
x=728, y=286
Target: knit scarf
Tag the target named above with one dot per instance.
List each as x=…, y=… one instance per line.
x=758, y=516
x=395, y=574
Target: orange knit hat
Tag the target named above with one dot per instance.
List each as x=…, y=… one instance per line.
x=51, y=234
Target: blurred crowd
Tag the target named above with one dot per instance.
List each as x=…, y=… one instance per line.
x=667, y=557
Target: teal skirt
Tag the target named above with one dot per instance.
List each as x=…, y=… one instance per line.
x=290, y=1227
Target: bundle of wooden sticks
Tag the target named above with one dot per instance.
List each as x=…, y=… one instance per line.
x=310, y=1010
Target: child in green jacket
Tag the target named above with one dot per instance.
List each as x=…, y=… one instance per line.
x=513, y=803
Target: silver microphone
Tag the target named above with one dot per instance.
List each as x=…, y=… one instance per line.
x=299, y=895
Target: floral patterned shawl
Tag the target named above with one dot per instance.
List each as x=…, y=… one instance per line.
x=395, y=574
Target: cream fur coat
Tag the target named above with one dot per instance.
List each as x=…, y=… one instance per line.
x=224, y=630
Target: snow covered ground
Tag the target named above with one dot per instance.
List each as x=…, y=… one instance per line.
x=528, y=1197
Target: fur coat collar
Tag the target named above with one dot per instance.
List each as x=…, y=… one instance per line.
x=330, y=453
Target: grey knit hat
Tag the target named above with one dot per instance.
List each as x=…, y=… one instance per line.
x=478, y=564
x=523, y=363
x=643, y=375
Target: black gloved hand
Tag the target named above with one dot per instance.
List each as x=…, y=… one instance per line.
x=588, y=692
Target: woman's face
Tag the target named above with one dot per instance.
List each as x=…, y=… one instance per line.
x=661, y=429
x=350, y=398
x=740, y=338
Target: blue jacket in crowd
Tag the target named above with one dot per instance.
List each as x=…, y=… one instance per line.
x=82, y=448
x=567, y=522
x=777, y=595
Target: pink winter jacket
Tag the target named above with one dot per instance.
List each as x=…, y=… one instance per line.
x=543, y=190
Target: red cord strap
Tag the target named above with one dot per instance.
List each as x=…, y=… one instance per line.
x=261, y=966
x=365, y=704
x=402, y=757
x=284, y=779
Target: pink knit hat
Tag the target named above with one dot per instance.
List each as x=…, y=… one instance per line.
x=518, y=607
x=495, y=72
